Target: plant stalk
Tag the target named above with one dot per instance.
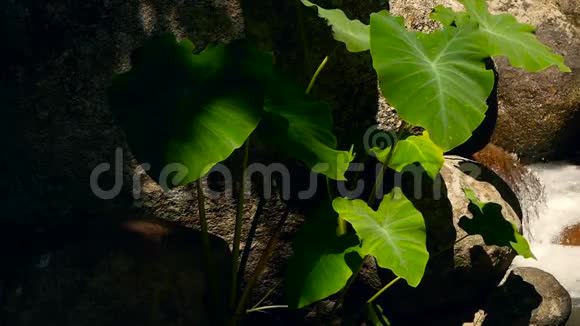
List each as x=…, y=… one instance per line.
x=266, y=295
x=385, y=288
x=379, y=181
x=315, y=76
x=250, y=239
x=259, y=269
x=266, y=308
x=349, y=283
x=205, y=244
x=238, y=228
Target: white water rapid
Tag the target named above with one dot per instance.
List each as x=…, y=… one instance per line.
x=557, y=207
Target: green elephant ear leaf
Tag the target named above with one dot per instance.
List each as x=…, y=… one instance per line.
x=353, y=33
x=306, y=131
x=182, y=112
x=437, y=81
x=488, y=221
x=394, y=234
x=320, y=265
x=414, y=149
x=509, y=38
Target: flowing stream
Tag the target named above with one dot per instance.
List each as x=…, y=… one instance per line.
x=556, y=207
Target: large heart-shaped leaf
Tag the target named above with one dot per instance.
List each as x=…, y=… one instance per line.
x=353, y=33
x=414, y=149
x=488, y=221
x=394, y=234
x=514, y=40
x=437, y=81
x=191, y=110
x=319, y=266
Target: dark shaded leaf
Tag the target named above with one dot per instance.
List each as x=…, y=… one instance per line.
x=488, y=221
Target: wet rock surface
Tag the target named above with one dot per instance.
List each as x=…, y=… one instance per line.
x=570, y=236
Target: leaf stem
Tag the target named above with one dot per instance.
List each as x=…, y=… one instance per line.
x=379, y=181
x=266, y=295
x=267, y=307
x=205, y=244
x=259, y=269
x=250, y=239
x=385, y=288
x=238, y=228
x=346, y=288
x=315, y=76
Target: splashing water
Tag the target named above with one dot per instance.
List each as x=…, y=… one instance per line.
x=548, y=212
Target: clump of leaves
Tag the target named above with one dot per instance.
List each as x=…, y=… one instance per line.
x=183, y=112
x=437, y=81
x=178, y=107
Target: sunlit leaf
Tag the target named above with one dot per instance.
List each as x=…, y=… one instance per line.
x=319, y=266
x=414, y=149
x=193, y=110
x=394, y=234
x=437, y=81
x=448, y=16
x=488, y=221
x=509, y=38
x=353, y=33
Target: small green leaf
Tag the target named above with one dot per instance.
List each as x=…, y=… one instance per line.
x=489, y=222
x=509, y=38
x=319, y=265
x=394, y=234
x=414, y=149
x=437, y=81
x=193, y=110
x=353, y=33
x=448, y=16
x=308, y=136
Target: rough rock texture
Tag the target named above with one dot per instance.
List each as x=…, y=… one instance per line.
x=139, y=272
x=529, y=296
x=455, y=279
x=301, y=40
x=570, y=236
x=542, y=107
x=57, y=126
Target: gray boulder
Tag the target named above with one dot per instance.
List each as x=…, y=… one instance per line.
x=529, y=296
